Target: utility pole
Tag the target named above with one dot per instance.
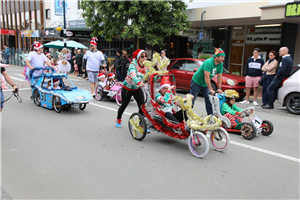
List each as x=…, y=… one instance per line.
x=64, y=12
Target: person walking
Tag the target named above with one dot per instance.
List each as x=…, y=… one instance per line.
x=253, y=75
x=201, y=80
x=133, y=83
x=118, y=66
x=6, y=54
x=269, y=70
x=94, y=59
x=284, y=69
x=78, y=61
x=63, y=65
x=73, y=60
x=84, y=65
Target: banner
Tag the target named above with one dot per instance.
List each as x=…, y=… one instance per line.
x=59, y=7
x=7, y=32
x=33, y=33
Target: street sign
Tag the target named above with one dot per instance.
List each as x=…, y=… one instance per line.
x=200, y=35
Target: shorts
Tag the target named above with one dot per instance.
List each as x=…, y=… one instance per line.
x=2, y=99
x=93, y=76
x=252, y=81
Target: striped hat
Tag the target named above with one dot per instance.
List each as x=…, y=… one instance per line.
x=219, y=52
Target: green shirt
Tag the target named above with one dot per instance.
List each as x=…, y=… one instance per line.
x=209, y=66
x=227, y=109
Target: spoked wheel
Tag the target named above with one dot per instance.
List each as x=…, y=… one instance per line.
x=57, y=104
x=37, y=98
x=145, y=96
x=248, y=130
x=198, y=144
x=220, y=139
x=137, y=126
x=119, y=97
x=99, y=92
x=82, y=106
x=268, y=128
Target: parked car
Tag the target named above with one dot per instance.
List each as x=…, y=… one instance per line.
x=289, y=93
x=184, y=69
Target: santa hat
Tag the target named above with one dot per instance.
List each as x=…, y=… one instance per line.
x=165, y=82
x=55, y=81
x=138, y=53
x=111, y=75
x=47, y=54
x=37, y=45
x=100, y=75
x=219, y=52
x=93, y=41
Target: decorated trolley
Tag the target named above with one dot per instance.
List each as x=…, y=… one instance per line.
x=49, y=90
x=195, y=129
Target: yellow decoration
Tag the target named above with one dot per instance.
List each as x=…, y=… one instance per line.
x=58, y=28
x=161, y=65
x=231, y=94
x=136, y=126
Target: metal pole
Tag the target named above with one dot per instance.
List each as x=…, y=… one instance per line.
x=64, y=12
x=202, y=21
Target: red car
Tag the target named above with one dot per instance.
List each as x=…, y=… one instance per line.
x=184, y=68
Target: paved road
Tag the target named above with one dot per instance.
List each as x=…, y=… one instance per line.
x=81, y=155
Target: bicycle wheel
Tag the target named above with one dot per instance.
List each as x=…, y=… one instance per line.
x=220, y=139
x=82, y=106
x=248, y=131
x=138, y=131
x=119, y=97
x=37, y=98
x=99, y=92
x=198, y=144
x=268, y=129
x=57, y=104
x=145, y=96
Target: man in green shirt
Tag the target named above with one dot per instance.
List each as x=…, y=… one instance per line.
x=201, y=79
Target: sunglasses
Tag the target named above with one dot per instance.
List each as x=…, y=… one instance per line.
x=143, y=56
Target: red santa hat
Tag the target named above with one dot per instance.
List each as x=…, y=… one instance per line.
x=138, y=53
x=93, y=41
x=55, y=81
x=111, y=75
x=37, y=45
x=100, y=75
x=165, y=82
x=47, y=54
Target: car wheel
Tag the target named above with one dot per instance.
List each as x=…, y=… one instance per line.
x=293, y=103
x=214, y=86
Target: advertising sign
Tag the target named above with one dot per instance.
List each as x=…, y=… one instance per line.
x=59, y=7
x=51, y=33
x=273, y=39
x=292, y=9
x=7, y=32
x=80, y=34
x=33, y=33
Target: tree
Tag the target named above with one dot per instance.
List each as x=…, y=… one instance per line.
x=150, y=20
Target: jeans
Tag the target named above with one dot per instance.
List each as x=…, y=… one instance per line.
x=7, y=60
x=195, y=90
x=267, y=81
x=119, y=75
x=272, y=90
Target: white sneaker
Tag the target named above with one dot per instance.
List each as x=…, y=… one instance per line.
x=255, y=103
x=244, y=102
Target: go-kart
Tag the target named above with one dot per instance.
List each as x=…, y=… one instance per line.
x=114, y=92
x=154, y=119
x=254, y=125
x=56, y=99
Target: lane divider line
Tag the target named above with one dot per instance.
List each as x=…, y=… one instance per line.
x=10, y=90
x=17, y=78
x=232, y=142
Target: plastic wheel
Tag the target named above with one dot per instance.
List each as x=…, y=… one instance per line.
x=119, y=97
x=220, y=139
x=198, y=144
x=268, y=129
x=99, y=92
x=248, y=130
x=82, y=106
x=37, y=98
x=57, y=104
x=138, y=131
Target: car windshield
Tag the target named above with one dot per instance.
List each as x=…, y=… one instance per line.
x=200, y=62
x=225, y=71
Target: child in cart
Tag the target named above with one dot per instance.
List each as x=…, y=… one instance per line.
x=230, y=110
x=102, y=80
x=55, y=84
x=111, y=80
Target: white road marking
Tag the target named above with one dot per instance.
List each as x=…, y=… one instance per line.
x=20, y=75
x=17, y=78
x=232, y=142
x=9, y=90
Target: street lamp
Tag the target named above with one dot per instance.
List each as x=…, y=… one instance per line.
x=64, y=12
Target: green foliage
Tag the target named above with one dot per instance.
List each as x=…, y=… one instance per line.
x=205, y=57
x=151, y=20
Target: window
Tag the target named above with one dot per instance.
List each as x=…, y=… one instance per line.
x=179, y=65
x=79, y=4
x=48, y=14
x=190, y=66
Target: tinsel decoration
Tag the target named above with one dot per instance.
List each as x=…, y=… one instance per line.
x=231, y=94
x=136, y=126
x=162, y=64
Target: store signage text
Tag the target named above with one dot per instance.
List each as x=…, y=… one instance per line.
x=7, y=32
x=263, y=39
x=292, y=10
x=80, y=34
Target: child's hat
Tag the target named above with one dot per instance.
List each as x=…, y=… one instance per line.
x=100, y=75
x=93, y=41
x=232, y=94
x=55, y=81
x=165, y=82
x=47, y=54
x=111, y=75
x=37, y=45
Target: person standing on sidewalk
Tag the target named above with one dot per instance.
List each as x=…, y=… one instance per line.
x=84, y=65
x=201, y=81
x=95, y=59
x=284, y=69
x=269, y=70
x=78, y=61
x=6, y=54
x=253, y=75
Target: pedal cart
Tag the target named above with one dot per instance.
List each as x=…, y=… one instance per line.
x=155, y=120
x=251, y=124
x=50, y=91
x=113, y=93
